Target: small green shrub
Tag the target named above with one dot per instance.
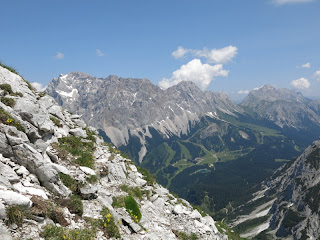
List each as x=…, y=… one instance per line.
x=132, y=208
x=86, y=159
x=8, y=101
x=7, y=119
x=147, y=176
x=108, y=224
x=92, y=179
x=15, y=214
x=134, y=191
x=52, y=232
x=42, y=94
x=185, y=236
x=76, y=205
x=91, y=135
x=6, y=88
x=71, y=183
x=56, y=121
x=81, y=149
x=118, y=201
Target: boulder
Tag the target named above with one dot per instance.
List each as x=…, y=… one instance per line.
x=89, y=191
x=178, y=209
x=61, y=169
x=14, y=136
x=88, y=171
x=13, y=198
x=195, y=214
x=78, y=132
x=8, y=173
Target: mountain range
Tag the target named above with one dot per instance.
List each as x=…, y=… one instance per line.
x=201, y=145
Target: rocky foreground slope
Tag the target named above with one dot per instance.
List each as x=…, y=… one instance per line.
x=59, y=180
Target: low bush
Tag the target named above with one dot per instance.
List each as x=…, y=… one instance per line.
x=134, y=191
x=92, y=179
x=15, y=215
x=56, y=121
x=6, y=88
x=52, y=232
x=147, y=176
x=118, y=202
x=185, y=236
x=75, y=205
x=108, y=224
x=8, y=101
x=132, y=208
x=71, y=183
x=78, y=147
x=7, y=119
x=86, y=159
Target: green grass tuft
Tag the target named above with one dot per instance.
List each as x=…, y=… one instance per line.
x=108, y=224
x=132, y=208
x=8, y=101
x=7, y=119
x=71, y=183
x=15, y=215
x=56, y=121
x=52, y=232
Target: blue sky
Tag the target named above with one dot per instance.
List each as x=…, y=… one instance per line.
x=226, y=45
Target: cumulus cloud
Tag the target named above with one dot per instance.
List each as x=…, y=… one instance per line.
x=220, y=56
x=282, y=2
x=38, y=86
x=59, y=55
x=301, y=83
x=180, y=52
x=243, y=92
x=99, y=53
x=317, y=75
x=195, y=71
x=306, y=65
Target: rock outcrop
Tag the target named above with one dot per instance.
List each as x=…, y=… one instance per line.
x=58, y=177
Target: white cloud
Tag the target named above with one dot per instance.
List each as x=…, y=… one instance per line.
x=99, y=53
x=317, y=75
x=38, y=86
x=222, y=55
x=282, y=2
x=301, y=83
x=306, y=65
x=243, y=92
x=59, y=55
x=180, y=52
x=195, y=71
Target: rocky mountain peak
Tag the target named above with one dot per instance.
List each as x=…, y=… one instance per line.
x=58, y=179
x=123, y=107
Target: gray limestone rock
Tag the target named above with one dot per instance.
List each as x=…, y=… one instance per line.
x=13, y=198
x=89, y=191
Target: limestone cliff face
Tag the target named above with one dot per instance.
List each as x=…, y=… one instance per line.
x=64, y=178
x=287, y=205
x=296, y=211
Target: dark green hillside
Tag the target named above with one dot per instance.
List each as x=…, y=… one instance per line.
x=216, y=165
